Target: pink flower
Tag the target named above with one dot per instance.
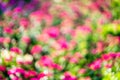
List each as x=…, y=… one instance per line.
x=36, y=49
x=37, y=15
x=53, y=32
x=8, y=30
x=16, y=50
x=20, y=70
x=41, y=75
x=8, y=13
x=46, y=61
x=43, y=38
x=109, y=56
x=56, y=66
x=26, y=39
x=108, y=65
x=96, y=64
x=84, y=28
x=68, y=76
x=30, y=73
x=107, y=14
x=118, y=54
x=2, y=39
x=48, y=18
x=94, y=6
x=63, y=43
x=45, y=6
x=100, y=47
x=24, y=22
x=17, y=10
x=82, y=71
x=73, y=60
x=16, y=70
x=34, y=79
x=113, y=55
x=2, y=68
x=64, y=14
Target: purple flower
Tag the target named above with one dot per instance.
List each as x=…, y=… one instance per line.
x=2, y=7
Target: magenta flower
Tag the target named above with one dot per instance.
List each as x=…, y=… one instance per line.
x=113, y=55
x=2, y=68
x=30, y=73
x=34, y=79
x=8, y=30
x=96, y=64
x=63, y=43
x=16, y=50
x=24, y=22
x=106, y=57
x=17, y=10
x=16, y=70
x=41, y=75
x=36, y=49
x=53, y=32
x=68, y=76
x=56, y=66
x=46, y=61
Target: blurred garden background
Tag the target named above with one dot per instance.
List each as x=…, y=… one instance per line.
x=59, y=39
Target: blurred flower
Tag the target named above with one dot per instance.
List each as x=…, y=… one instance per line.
x=28, y=59
x=95, y=65
x=5, y=54
x=41, y=75
x=14, y=71
x=20, y=59
x=56, y=66
x=36, y=49
x=26, y=39
x=2, y=68
x=30, y=73
x=53, y=32
x=16, y=50
x=1, y=39
x=8, y=30
x=68, y=76
x=46, y=61
x=82, y=71
x=24, y=22
x=17, y=10
x=63, y=43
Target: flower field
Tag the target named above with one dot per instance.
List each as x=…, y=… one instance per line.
x=59, y=40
